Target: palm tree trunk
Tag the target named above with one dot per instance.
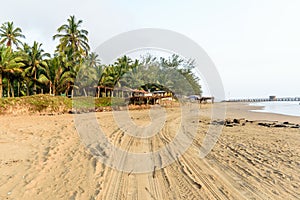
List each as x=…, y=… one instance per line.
x=8, y=44
x=85, y=94
x=1, y=86
x=27, y=88
x=54, y=90
x=34, y=84
x=8, y=87
x=18, y=88
x=12, y=89
x=50, y=88
x=67, y=89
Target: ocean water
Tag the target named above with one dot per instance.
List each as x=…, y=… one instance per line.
x=291, y=108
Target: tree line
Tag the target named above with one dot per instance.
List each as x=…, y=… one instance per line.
x=28, y=70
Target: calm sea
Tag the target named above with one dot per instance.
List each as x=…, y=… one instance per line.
x=280, y=107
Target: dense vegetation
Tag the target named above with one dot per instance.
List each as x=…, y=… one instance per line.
x=27, y=70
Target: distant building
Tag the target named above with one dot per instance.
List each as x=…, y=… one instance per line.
x=272, y=98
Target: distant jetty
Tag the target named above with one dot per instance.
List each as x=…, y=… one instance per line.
x=271, y=98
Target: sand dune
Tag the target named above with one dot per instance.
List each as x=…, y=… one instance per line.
x=43, y=157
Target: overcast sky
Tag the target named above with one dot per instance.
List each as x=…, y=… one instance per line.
x=255, y=44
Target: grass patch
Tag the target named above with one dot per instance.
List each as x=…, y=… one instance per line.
x=54, y=104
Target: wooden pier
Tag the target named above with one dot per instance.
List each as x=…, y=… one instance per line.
x=265, y=99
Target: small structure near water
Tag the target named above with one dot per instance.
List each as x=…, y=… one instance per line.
x=197, y=98
x=140, y=96
x=272, y=98
x=156, y=97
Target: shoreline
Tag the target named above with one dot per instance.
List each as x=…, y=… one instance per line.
x=265, y=107
x=233, y=110
x=244, y=110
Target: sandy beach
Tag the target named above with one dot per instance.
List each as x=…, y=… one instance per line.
x=43, y=157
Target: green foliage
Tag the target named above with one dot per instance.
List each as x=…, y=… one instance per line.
x=35, y=62
x=74, y=70
x=42, y=102
x=36, y=103
x=72, y=38
x=10, y=63
x=49, y=104
x=109, y=101
x=10, y=35
x=170, y=74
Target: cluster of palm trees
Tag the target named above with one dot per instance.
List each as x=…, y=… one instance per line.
x=28, y=70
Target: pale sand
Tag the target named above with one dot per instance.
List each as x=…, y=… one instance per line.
x=42, y=157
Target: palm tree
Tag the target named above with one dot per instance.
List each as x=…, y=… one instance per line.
x=72, y=37
x=13, y=74
x=19, y=79
x=9, y=63
x=58, y=75
x=89, y=73
x=51, y=74
x=10, y=35
x=112, y=75
x=86, y=78
x=145, y=72
x=108, y=76
x=35, y=61
x=74, y=46
x=92, y=60
x=122, y=66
